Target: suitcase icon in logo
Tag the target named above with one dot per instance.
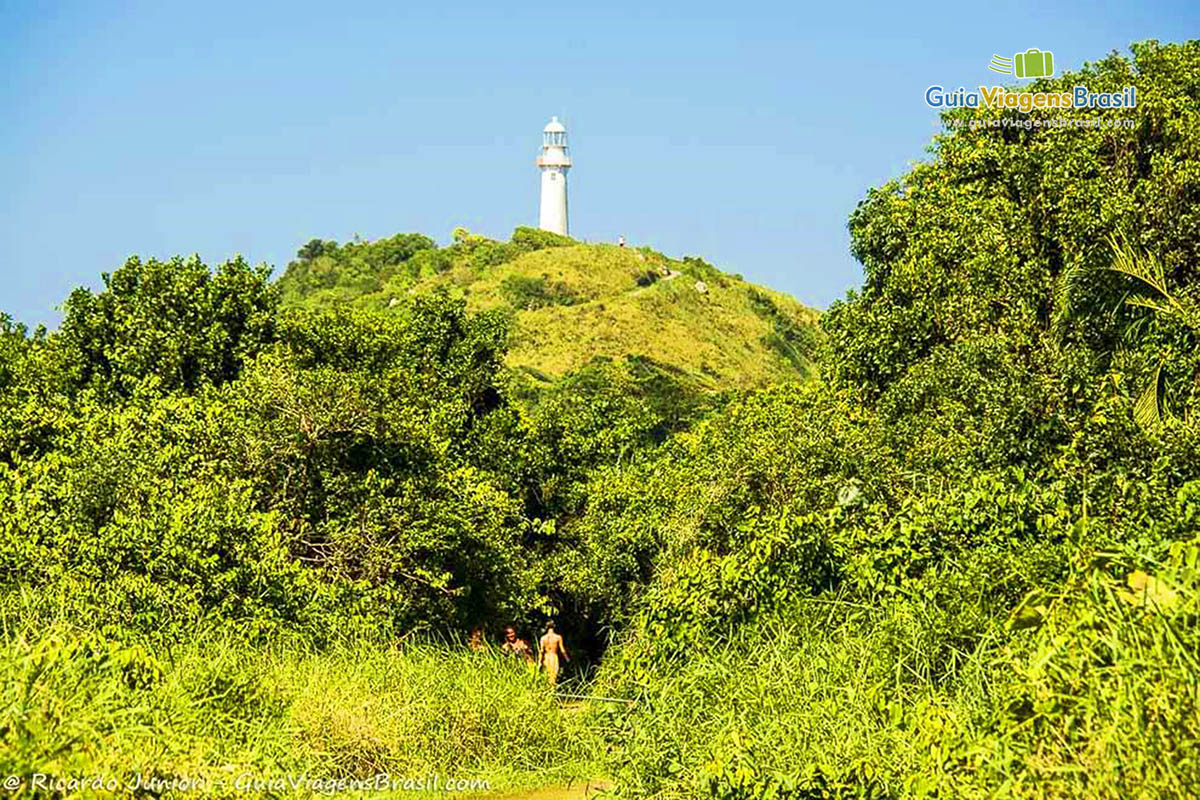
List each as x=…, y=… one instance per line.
x=1034, y=63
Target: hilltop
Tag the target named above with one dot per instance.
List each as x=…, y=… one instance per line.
x=574, y=302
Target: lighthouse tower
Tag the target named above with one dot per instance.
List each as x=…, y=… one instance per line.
x=554, y=163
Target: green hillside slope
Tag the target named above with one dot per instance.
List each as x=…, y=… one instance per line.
x=574, y=302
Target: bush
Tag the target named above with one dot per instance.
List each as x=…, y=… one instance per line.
x=528, y=293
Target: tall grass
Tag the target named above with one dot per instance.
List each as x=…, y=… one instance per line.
x=814, y=695
x=1091, y=692
x=73, y=703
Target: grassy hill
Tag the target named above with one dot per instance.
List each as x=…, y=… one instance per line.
x=574, y=302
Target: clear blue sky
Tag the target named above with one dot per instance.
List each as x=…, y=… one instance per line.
x=741, y=132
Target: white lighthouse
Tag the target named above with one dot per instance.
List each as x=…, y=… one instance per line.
x=554, y=163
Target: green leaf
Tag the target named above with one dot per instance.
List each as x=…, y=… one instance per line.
x=1148, y=411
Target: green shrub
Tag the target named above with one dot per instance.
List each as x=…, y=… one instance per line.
x=527, y=292
x=530, y=239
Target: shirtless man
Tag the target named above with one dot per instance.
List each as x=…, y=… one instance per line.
x=515, y=646
x=550, y=647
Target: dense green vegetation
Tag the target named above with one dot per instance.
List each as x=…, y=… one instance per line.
x=572, y=303
x=240, y=521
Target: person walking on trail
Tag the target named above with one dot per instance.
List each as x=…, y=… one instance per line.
x=550, y=647
x=515, y=645
x=475, y=641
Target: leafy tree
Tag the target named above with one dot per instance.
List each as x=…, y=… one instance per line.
x=966, y=258
x=175, y=324
x=315, y=248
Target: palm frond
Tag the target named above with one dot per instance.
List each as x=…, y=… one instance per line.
x=1148, y=271
x=1142, y=302
x=1066, y=297
x=1143, y=267
x=1148, y=411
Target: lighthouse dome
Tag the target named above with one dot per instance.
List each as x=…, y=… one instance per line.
x=554, y=127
